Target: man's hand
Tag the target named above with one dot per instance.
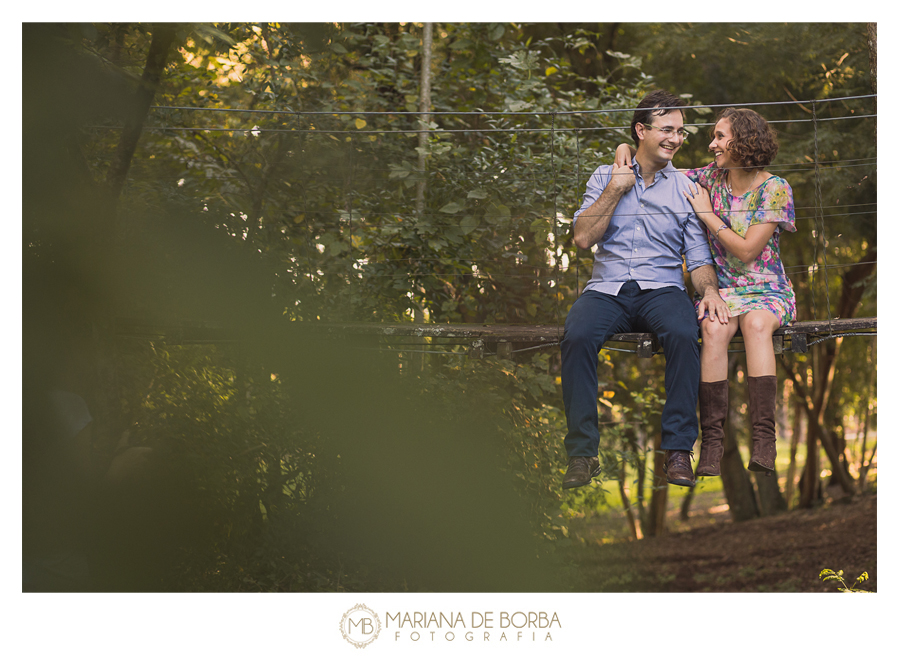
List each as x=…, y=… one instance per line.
x=715, y=306
x=622, y=178
x=705, y=283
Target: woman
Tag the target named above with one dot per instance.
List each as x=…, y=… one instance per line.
x=744, y=208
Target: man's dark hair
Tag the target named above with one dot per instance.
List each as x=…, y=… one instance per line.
x=648, y=108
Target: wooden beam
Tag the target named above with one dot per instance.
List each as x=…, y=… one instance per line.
x=505, y=337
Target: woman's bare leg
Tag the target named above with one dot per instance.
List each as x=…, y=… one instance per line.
x=714, y=350
x=757, y=328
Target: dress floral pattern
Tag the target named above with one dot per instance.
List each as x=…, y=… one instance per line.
x=763, y=284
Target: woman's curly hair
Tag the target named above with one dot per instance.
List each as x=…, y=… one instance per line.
x=753, y=144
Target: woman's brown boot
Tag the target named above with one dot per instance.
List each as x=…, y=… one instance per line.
x=762, y=422
x=713, y=408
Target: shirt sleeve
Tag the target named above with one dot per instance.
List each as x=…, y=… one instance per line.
x=705, y=176
x=595, y=186
x=776, y=205
x=696, y=246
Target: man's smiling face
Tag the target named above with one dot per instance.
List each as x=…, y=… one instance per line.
x=656, y=144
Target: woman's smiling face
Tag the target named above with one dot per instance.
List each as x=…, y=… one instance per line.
x=719, y=145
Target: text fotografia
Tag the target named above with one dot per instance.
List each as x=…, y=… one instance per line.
x=480, y=626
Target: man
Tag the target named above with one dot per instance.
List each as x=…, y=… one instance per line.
x=642, y=226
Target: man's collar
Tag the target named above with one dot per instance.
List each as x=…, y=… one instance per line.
x=665, y=171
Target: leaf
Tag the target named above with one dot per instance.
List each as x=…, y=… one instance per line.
x=338, y=48
x=550, y=70
x=360, y=124
x=468, y=224
x=518, y=106
x=477, y=194
x=211, y=34
x=539, y=223
x=452, y=208
x=498, y=213
x=400, y=171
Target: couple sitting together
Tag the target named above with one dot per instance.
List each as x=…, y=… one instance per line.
x=646, y=219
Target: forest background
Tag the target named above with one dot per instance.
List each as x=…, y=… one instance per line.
x=176, y=252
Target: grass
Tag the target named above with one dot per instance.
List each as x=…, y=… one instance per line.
x=596, y=512
x=604, y=497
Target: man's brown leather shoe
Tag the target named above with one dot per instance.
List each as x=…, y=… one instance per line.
x=678, y=468
x=581, y=471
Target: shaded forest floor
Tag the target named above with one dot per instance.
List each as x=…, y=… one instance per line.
x=709, y=552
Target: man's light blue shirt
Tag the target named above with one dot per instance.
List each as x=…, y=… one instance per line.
x=652, y=228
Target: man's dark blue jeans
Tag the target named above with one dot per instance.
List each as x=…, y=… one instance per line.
x=592, y=320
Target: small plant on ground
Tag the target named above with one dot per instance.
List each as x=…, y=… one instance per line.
x=828, y=574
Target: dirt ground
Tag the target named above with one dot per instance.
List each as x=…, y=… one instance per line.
x=710, y=553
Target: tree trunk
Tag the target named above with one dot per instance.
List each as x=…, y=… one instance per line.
x=106, y=235
x=637, y=443
x=685, y=512
x=863, y=463
x=770, y=499
x=659, y=499
x=872, y=39
x=634, y=524
x=425, y=116
x=796, y=429
x=163, y=38
x=417, y=360
x=809, y=480
x=735, y=479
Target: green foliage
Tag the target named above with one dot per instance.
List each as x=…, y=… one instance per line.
x=530, y=422
x=827, y=574
x=330, y=197
x=245, y=460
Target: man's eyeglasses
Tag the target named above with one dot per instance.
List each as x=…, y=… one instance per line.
x=668, y=131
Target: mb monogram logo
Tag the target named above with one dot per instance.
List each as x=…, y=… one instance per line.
x=360, y=626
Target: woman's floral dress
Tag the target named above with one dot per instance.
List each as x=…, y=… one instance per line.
x=762, y=284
